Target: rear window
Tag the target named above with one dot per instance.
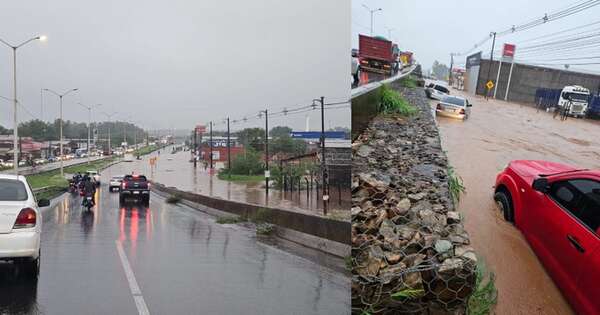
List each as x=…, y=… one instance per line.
x=139, y=178
x=454, y=100
x=442, y=89
x=12, y=190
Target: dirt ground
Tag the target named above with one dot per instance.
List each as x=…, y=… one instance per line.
x=496, y=133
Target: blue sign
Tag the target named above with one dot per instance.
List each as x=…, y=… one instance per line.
x=317, y=134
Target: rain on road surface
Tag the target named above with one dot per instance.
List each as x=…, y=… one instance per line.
x=181, y=260
x=479, y=148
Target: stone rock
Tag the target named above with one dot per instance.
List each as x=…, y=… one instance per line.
x=467, y=252
x=417, y=196
x=443, y=246
x=453, y=217
x=403, y=205
x=364, y=150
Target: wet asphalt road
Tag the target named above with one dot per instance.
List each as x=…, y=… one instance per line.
x=180, y=261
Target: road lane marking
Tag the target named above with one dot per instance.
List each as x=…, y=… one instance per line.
x=133, y=285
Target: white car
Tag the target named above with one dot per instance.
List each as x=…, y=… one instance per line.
x=128, y=157
x=436, y=91
x=20, y=224
x=454, y=106
x=115, y=182
x=94, y=175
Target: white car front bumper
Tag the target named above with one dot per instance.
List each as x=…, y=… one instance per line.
x=20, y=244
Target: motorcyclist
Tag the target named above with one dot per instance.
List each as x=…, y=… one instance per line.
x=89, y=189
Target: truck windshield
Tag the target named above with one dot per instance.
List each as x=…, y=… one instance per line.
x=575, y=96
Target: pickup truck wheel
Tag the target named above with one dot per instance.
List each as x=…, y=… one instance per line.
x=505, y=204
x=146, y=201
x=121, y=199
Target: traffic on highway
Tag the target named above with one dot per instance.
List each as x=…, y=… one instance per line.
x=149, y=257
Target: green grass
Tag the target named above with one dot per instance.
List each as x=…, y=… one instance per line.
x=173, y=199
x=230, y=220
x=408, y=82
x=484, y=298
x=393, y=102
x=455, y=185
x=145, y=150
x=240, y=178
x=53, y=178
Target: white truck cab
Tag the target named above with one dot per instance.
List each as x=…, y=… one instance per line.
x=579, y=97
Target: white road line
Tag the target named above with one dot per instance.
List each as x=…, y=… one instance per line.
x=133, y=285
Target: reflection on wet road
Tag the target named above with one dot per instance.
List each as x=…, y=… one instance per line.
x=496, y=133
x=182, y=261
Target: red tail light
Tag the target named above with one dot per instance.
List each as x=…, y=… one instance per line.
x=26, y=219
x=148, y=185
x=439, y=106
x=462, y=111
x=123, y=185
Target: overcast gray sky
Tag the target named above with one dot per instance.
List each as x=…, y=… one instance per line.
x=434, y=29
x=179, y=62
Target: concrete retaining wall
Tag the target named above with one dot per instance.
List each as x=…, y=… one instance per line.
x=365, y=102
x=315, y=226
x=527, y=79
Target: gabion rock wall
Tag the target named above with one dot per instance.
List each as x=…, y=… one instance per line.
x=410, y=252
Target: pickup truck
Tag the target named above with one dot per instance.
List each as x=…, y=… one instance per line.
x=557, y=208
x=135, y=187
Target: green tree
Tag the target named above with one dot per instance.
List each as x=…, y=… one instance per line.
x=252, y=138
x=287, y=145
x=280, y=131
x=248, y=163
x=439, y=70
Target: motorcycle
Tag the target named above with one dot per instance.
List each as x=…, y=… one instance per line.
x=72, y=186
x=88, y=202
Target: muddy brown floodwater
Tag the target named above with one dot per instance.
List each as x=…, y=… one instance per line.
x=479, y=148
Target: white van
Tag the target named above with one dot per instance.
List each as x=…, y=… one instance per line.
x=128, y=157
x=579, y=97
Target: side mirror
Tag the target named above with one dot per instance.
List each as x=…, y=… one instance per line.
x=43, y=203
x=541, y=185
x=469, y=105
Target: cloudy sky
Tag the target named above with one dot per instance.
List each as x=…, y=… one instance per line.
x=173, y=64
x=434, y=29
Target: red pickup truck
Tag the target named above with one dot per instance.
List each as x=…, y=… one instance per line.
x=557, y=208
x=135, y=187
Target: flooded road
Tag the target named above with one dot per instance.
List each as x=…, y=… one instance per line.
x=180, y=260
x=176, y=170
x=479, y=148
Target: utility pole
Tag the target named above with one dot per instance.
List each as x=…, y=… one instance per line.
x=211, y=148
x=228, y=151
x=108, y=124
x=60, y=96
x=487, y=90
x=450, y=70
x=267, y=175
x=89, y=108
x=324, y=159
x=195, y=147
x=371, y=11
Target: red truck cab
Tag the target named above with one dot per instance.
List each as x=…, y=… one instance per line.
x=557, y=208
x=377, y=55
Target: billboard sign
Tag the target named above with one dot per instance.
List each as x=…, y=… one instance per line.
x=200, y=129
x=508, y=51
x=473, y=60
x=317, y=134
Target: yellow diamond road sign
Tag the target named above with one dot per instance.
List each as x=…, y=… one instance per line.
x=489, y=84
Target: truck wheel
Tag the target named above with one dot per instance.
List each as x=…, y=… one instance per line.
x=146, y=201
x=504, y=202
x=121, y=199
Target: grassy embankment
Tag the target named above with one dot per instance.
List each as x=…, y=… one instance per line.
x=241, y=178
x=58, y=184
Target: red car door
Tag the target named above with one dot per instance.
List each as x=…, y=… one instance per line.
x=571, y=244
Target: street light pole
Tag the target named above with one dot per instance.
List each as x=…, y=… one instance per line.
x=372, y=11
x=15, y=102
x=109, y=121
x=211, y=149
x=89, y=108
x=60, y=96
x=228, y=151
x=267, y=152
